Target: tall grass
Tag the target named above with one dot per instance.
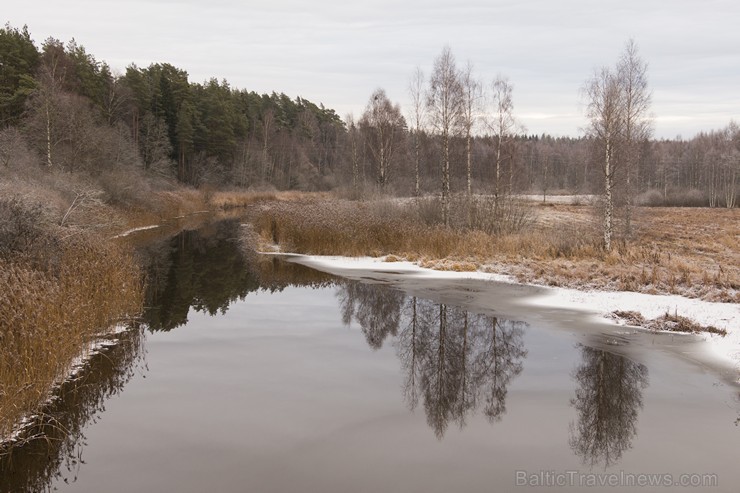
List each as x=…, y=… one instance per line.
x=164, y=205
x=224, y=200
x=561, y=248
x=335, y=227
x=48, y=315
x=409, y=229
x=60, y=287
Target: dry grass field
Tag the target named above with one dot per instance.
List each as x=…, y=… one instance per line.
x=694, y=252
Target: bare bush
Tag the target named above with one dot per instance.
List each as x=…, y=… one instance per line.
x=14, y=150
x=429, y=210
x=127, y=187
x=650, y=198
x=479, y=213
x=687, y=198
x=673, y=198
x=507, y=216
x=23, y=226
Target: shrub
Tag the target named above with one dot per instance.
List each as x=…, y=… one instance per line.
x=23, y=226
x=650, y=198
x=676, y=197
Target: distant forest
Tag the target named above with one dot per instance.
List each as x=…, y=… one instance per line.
x=62, y=109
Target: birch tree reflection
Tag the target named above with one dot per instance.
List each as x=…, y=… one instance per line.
x=608, y=401
x=457, y=362
x=454, y=361
x=375, y=308
x=499, y=359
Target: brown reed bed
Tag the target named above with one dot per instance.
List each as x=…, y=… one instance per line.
x=163, y=206
x=385, y=227
x=51, y=308
x=558, y=245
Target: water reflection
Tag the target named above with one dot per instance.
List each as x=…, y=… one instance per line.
x=57, y=455
x=456, y=361
x=608, y=400
x=208, y=270
x=203, y=269
x=375, y=308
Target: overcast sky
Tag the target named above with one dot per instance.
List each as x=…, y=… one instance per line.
x=337, y=52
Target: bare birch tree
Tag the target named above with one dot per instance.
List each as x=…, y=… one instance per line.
x=730, y=164
x=471, y=95
x=605, y=113
x=503, y=127
x=44, y=104
x=382, y=124
x=417, y=119
x=445, y=106
x=268, y=122
x=632, y=75
x=353, y=138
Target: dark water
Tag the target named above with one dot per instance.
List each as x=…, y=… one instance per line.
x=254, y=374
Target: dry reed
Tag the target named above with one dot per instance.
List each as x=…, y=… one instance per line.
x=48, y=315
x=561, y=247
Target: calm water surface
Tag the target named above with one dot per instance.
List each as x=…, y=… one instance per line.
x=259, y=375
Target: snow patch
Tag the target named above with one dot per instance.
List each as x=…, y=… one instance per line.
x=721, y=315
x=403, y=267
x=134, y=230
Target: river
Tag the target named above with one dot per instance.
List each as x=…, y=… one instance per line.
x=252, y=373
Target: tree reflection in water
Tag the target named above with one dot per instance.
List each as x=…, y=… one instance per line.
x=207, y=270
x=608, y=400
x=204, y=270
x=54, y=451
x=456, y=361
x=376, y=309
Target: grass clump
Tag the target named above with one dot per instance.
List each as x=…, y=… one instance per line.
x=666, y=322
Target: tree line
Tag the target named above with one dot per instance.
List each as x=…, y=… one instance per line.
x=70, y=111
x=62, y=108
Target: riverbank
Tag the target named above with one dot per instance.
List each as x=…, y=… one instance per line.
x=675, y=251
x=98, y=345
x=57, y=296
x=515, y=300
x=678, y=262
x=69, y=277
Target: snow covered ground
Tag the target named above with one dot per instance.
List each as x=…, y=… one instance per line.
x=600, y=303
x=721, y=315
